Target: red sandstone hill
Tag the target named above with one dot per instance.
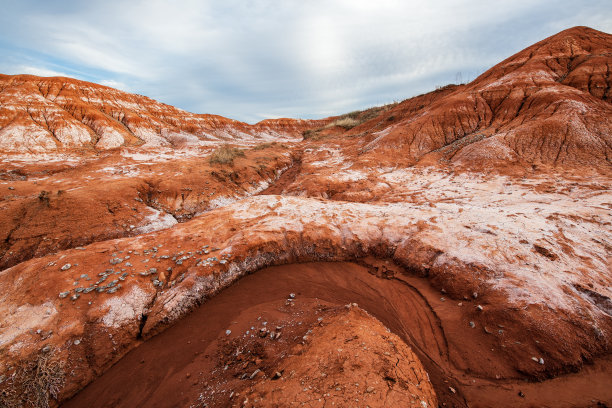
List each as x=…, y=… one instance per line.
x=46, y=114
x=548, y=104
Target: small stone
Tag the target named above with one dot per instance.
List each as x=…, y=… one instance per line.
x=472, y=325
x=479, y=308
x=370, y=389
x=66, y=267
x=541, y=361
x=452, y=390
x=254, y=374
x=475, y=295
x=276, y=375
x=46, y=349
x=228, y=332
x=77, y=342
x=63, y=294
x=292, y=296
x=520, y=394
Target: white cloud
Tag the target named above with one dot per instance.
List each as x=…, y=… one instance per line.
x=115, y=84
x=290, y=58
x=39, y=71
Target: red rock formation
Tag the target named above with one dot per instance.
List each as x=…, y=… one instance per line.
x=46, y=114
x=548, y=104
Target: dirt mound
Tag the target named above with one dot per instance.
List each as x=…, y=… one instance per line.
x=350, y=360
x=48, y=114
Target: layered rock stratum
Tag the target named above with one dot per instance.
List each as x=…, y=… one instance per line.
x=473, y=221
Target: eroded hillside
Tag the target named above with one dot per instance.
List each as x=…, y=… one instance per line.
x=474, y=222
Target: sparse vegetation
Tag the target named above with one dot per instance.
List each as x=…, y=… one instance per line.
x=263, y=146
x=43, y=197
x=33, y=385
x=225, y=155
x=344, y=122
x=349, y=120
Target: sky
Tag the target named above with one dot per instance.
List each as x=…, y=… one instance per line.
x=257, y=59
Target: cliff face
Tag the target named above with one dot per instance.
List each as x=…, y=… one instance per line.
x=47, y=114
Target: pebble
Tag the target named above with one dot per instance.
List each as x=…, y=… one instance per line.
x=66, y=267
x=77, y=342
x=480, y=308
x=472, y=325
x=452, y=390
x=228, y=332
x=292, y=296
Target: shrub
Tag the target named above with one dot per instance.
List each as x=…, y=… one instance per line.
x=225, y=155
x=34, y=384
x=345, y=122
x=263, y=146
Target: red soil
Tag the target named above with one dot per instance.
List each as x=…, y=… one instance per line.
x=174, y=367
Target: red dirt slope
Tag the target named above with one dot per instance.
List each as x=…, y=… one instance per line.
x=548, y=104
x=46, y=114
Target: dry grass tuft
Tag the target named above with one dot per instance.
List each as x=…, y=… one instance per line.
x=345, y=122
x=225, y=155
x=34, y=384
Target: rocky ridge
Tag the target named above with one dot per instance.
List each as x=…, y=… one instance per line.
x=50, y=114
